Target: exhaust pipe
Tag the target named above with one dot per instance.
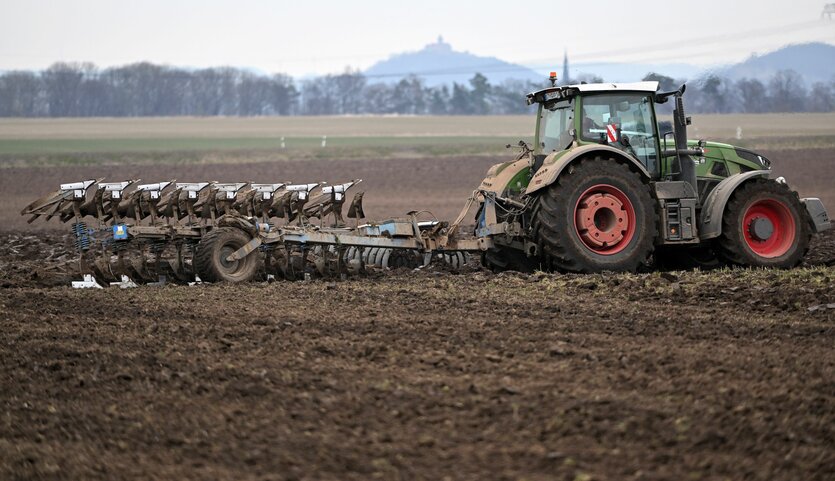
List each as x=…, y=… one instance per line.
x=687, y=166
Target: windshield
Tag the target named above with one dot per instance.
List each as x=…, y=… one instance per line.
x=623, y=121
x=555, y=123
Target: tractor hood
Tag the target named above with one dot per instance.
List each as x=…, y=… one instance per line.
x=748, y=159
x=740, y=155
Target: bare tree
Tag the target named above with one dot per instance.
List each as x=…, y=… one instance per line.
x=63, y=84
x=753, y=96
x=21, y=95
x=144, y=89
x=788, y=93
x=821, y=98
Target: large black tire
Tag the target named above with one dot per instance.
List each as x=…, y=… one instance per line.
x=598, y=216
x=764, y=225
x=210, y=259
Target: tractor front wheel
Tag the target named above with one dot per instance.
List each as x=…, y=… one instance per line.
x=210, y=259
x=598, y=215
x=764, y=226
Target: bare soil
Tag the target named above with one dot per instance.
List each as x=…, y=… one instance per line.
x=425, y=375
x=727, y=374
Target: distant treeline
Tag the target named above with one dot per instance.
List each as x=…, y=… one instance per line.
x=144, y=89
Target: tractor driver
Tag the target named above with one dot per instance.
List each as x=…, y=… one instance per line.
x=589, y=124
x=595, y=116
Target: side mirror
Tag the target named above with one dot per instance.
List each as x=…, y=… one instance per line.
x=662, y=97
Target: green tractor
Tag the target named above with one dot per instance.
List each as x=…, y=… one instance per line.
x=605, y=188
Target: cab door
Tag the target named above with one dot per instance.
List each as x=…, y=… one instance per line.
x=625, y=121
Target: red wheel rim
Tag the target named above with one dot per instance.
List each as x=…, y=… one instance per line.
x=604, y=219
x=768, y=228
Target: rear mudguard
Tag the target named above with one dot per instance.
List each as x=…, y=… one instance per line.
x=499, y=177
x=554, y=164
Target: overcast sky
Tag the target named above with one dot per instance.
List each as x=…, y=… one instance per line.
x=324, y=36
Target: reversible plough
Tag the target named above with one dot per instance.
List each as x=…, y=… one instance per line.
x=129, y=232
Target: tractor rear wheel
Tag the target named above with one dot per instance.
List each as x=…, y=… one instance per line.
x=210, y=259
x=598, y=216
x=764, y=226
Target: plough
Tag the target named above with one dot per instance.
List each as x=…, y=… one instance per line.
x=129, y=232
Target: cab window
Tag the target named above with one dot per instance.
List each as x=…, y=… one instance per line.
x=556, y=121
x=623, y=121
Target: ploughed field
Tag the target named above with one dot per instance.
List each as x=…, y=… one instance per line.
x=424, y=375
x=431, y=374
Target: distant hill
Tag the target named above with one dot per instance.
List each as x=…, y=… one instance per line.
x=815, y=62
x=439, y=64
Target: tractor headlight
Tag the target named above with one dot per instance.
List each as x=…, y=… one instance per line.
x=754, y=157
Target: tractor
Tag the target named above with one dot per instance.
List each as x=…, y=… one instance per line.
x=606, y=188
x=603, y=188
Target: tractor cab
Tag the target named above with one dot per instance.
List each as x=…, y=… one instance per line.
x=621, y=116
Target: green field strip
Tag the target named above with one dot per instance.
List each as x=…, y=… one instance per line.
x=70, y=146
